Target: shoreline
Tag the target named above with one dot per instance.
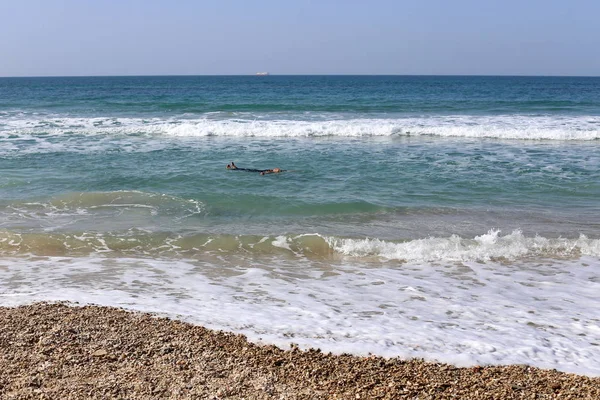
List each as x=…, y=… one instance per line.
x=63, y=350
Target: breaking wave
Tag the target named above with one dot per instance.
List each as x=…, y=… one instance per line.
x=136, y=243
x=514, y=127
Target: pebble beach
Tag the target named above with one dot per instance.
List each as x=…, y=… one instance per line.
x=67, y=351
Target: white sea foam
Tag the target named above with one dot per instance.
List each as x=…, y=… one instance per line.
x=513, y=247
x=542, y=313
x=35, y=135
x=486, y=247
x=281, y=242
x=520, y=127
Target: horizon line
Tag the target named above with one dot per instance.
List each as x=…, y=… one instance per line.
x=271, y=74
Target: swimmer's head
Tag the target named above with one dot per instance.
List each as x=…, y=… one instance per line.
x=228, y=166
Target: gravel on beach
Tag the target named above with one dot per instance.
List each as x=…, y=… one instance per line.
x=63, y=351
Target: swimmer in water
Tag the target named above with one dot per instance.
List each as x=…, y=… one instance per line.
x=271, y=171
x=261, y=171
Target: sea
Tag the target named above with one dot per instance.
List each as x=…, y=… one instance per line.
x=449, y=218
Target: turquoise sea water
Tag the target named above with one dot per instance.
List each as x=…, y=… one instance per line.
x=452, y=218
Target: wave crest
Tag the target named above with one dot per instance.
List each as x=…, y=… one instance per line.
x=488, y=247
x=514, y=127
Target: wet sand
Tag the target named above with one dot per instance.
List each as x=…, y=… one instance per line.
x=60, y=351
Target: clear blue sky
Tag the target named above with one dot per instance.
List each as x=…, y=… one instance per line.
x=160, y=37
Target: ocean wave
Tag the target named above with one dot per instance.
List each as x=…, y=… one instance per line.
x=73, y=204
x=514, y=127
x=490, y=246
x=136, y=243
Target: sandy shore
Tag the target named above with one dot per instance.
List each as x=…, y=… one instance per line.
x=56, y=351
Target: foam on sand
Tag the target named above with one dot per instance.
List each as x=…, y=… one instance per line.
x=540, y=313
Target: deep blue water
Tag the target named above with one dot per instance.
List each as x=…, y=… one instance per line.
x=396, y=95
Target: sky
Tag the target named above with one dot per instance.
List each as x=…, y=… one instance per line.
x=238, y=37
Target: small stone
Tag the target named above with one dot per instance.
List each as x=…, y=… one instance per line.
x=100, y=353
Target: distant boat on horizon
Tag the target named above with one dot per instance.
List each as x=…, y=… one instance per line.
x=262, y=73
